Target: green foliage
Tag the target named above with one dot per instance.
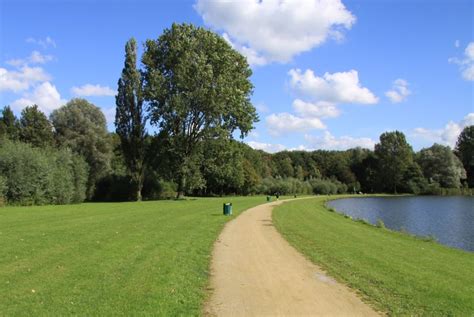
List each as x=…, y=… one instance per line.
x=35, y=127
x=222, y=167
x=283, y=186
x=35, y=176
x=9, y=124
x=397, y=273
x=440, y=165
x=81, y=126
x=394, y=155
x=198, y=88
x=465, y=152
x=130, y=118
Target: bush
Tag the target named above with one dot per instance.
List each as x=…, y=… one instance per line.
x=35, y=176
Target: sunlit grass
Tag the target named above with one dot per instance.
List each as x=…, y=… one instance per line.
x=148, y=258
x=397, y=273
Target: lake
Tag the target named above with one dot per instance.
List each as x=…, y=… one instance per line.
x=449, y=219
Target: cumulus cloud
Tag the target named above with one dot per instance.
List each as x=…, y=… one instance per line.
x=399, y=91
x=267, y=147
x=92, y=90
x=329, y=142
x=22, y=78
x=44, y=43
x=285, y=122
x=466, y=64
x=447, y=135
x=34, y=58
x=275, y=31
x=319, y=109
x=45, y=95
x=342, y=87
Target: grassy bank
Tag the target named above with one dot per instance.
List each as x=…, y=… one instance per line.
x=397, y=273
x=148, y=258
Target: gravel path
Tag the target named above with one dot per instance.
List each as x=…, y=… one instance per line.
x=255, y=272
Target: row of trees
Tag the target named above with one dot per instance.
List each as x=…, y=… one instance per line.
x=193, y=91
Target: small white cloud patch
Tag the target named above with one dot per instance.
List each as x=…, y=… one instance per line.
x=466, y=64
x=285, y=122
x=399, y=91
x=329, y=142
x=447, y=135
x=341, y=87
x=92, y=90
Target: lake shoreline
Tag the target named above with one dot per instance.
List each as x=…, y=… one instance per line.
x=395, y=272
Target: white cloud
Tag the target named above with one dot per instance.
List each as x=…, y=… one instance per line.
x=466, y=64
x=285, y=122
x=447, y=135
x=342, y=87
x=329, y=142
x=44, y=43
x=34, y=58
x=92, y=90
x=22, y=78
x=253, y=58
x=275, y=31
x=399, y=91
x=267, y=147
x=46, y=96
x=320, y=109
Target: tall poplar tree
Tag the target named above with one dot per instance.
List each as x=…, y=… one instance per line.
x=130, y=118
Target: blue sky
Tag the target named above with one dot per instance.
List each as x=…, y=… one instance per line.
x=327, y=74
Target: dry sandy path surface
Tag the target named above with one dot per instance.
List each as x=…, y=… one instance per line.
x=255, y=272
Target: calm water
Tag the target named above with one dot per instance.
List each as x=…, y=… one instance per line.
x=449, y=219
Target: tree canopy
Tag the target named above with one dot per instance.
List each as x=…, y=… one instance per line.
x=81, y=126
x=395, y=155
x=198, y=88
x=465, y=152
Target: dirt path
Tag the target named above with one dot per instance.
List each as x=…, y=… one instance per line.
x=255, y=272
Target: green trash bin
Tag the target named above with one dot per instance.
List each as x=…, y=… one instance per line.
x=227, y=209
x=269, y=198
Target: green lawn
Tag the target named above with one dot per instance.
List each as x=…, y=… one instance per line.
x=148, y=258
x=397, y=273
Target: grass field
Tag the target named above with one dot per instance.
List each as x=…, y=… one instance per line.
x=148, y=258
x=397, y=273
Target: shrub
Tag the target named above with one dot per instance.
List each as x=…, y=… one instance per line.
x=35, y=176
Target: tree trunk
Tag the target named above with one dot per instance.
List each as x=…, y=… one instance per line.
x=181, y=187
x=139, y=191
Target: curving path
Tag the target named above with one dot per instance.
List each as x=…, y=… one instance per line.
x=255, y=272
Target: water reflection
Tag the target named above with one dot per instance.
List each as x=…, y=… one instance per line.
x=449, y=219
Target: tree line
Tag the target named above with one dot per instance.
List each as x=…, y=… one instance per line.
x=179, y=117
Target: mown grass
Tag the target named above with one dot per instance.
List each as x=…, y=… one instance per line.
x=148, y=258
x=397, y=273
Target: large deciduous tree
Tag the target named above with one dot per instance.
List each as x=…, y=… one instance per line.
x=199, y=88
x=465, y=152
x=130, y=118
x=81, y=126
x=395, y=155
x=440, y=165
x=35, y=127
